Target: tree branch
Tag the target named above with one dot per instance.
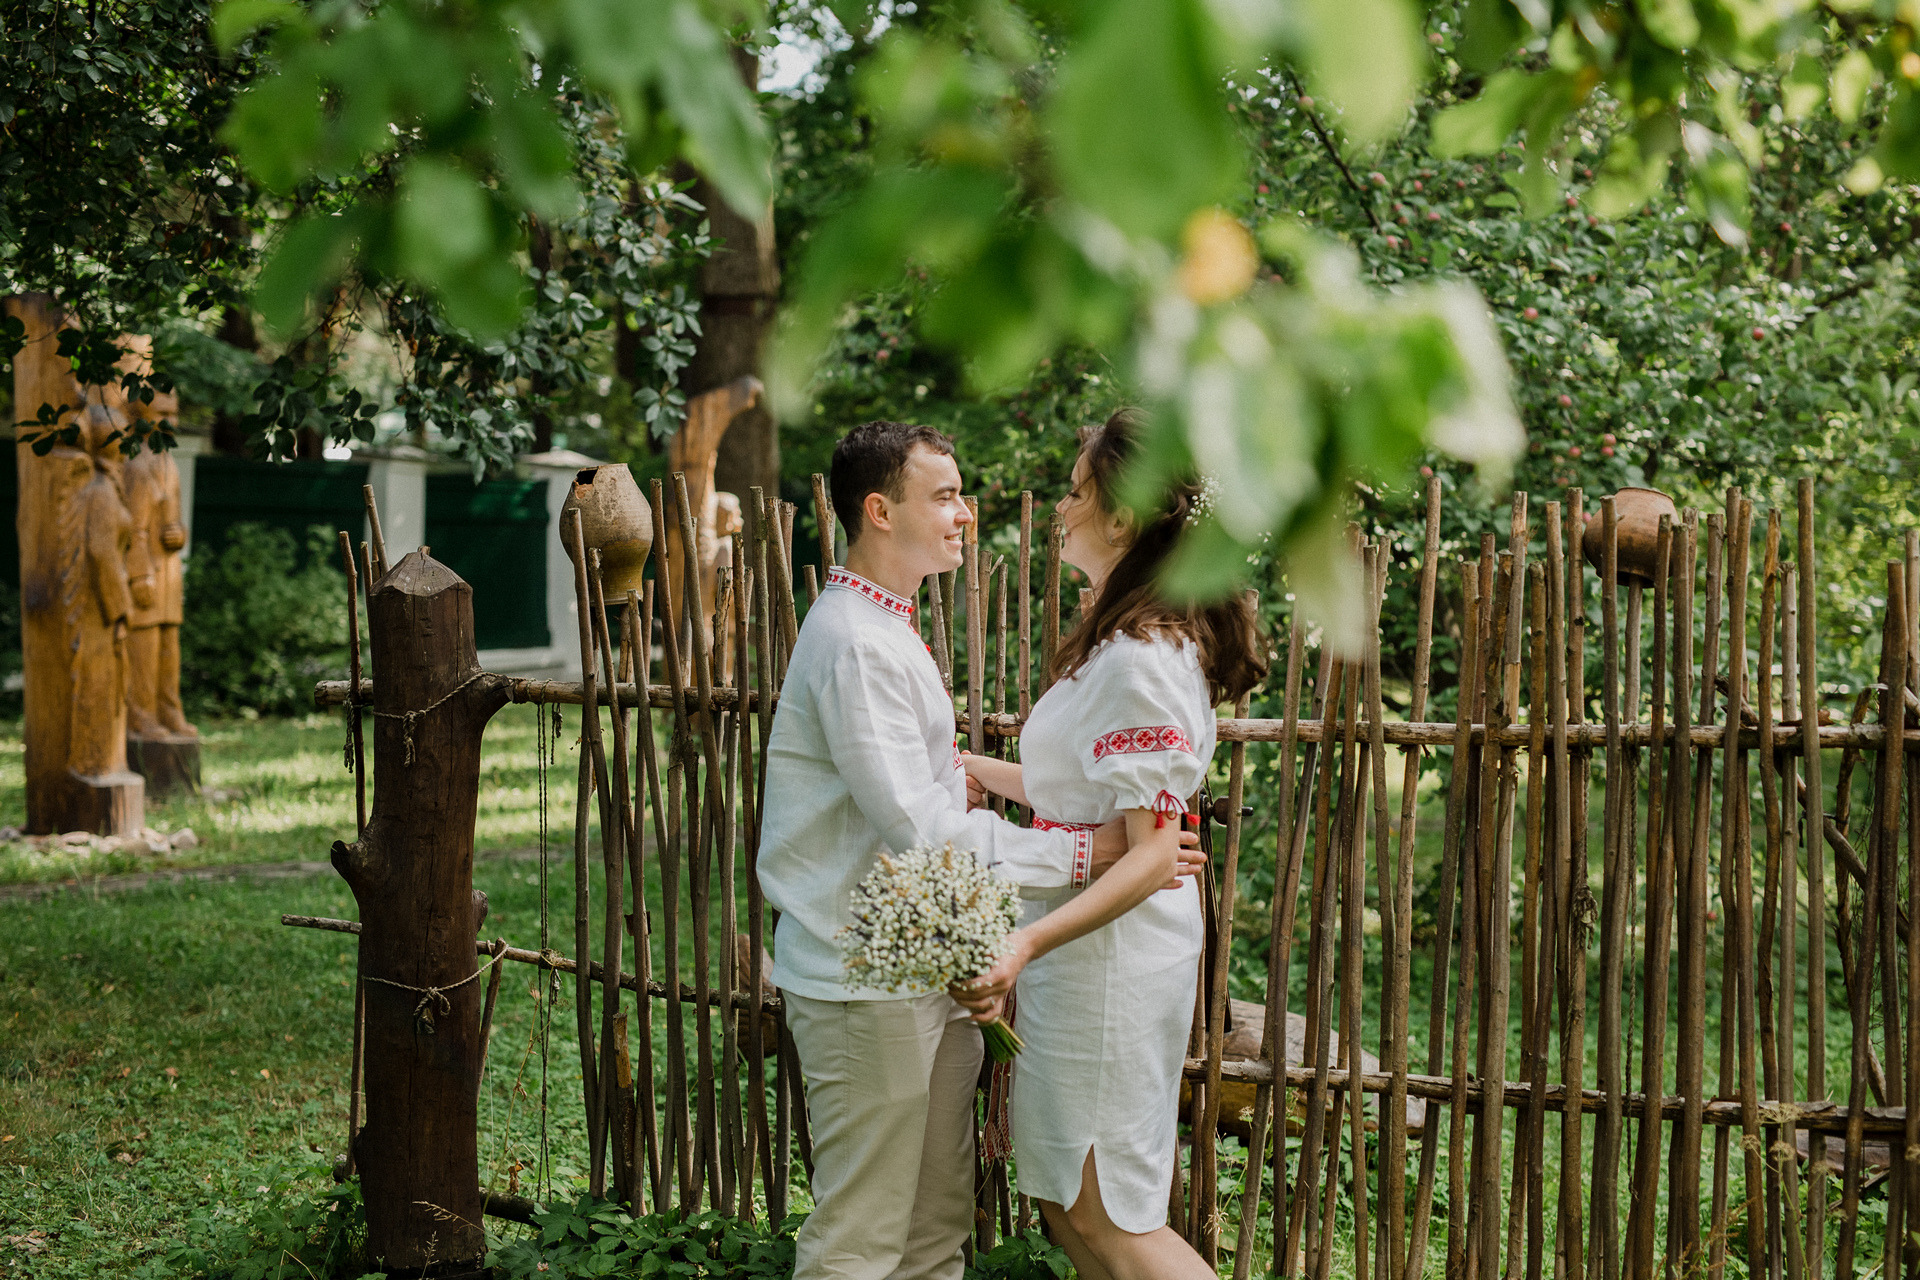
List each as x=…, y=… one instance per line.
x=1333, y=152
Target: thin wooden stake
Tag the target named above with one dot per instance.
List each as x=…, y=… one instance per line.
x=1025, y=561
x=1443, y=934
x=355, y=721
x=614, y=831
x=582, y=926
x=1393, y=1161
x=1050, y=601
x=375, y=537
x=823, y=521
x=1812, y=827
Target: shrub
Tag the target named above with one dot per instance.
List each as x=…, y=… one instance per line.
x=289, y=1232
x=599, y=1238
x=263, y=623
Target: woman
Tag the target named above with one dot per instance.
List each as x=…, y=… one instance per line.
x=1107, y=974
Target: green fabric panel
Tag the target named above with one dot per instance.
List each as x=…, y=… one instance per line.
x=283, y=495
x=494, y=534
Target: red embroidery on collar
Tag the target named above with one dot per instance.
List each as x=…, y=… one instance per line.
x=1158, y=737
x=1082, y=847
x=896, y=605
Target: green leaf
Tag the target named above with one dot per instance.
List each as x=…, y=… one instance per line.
x=1719, y=181
x=1853, y=75
x=1365, y=56
x=1539, y=186
x=1899, y=148
x=535, y=158
x=275, y=126
x=725, y=136
x=1491, y=30
x=441, y=219
x=634, y=48
x=937, y=218
x=235, y=20
x=1804, y=87
x=1635, y=166
x=1482, y=124
x=1137, y=119
x=1671, y=22
x=309, y=257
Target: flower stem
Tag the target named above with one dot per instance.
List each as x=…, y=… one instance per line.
x=1002, y=1040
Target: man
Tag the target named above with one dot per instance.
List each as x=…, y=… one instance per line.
x=862, y=760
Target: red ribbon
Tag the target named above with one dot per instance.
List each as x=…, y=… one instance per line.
x=1167, y=805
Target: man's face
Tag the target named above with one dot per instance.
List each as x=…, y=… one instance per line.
x=928, y=522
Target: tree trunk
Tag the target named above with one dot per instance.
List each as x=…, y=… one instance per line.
x=740, y=286
x=237, y=331
x=412, y=874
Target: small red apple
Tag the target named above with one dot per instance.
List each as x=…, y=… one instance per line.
x=1531, y=313
x=1758, y=333
x=1606, y=451
x=1426, y=473
x=1574, y=452
x=1417, y=185
x=1305, y=101
x=1263, y=188
x=1377, y=178
x=1566, y=401
x=1433, y=215
x=1608, y=439
x=1393, y=242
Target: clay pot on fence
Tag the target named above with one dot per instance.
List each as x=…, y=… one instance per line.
x=615, y=520
x=1243, y=1042
x=1636, y=520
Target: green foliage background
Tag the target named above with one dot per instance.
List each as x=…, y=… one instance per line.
x=264, y=622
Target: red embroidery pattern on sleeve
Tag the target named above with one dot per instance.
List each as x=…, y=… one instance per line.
x=1082, y=847
x=1157, y=737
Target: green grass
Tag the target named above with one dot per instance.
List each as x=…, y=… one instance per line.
x=165, y=1050
x=278, y=791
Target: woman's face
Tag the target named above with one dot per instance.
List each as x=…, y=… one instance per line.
x=1095, y=540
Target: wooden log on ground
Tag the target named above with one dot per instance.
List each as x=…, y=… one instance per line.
x=412, y=874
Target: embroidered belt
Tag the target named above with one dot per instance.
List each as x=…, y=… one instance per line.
x=1082, y=846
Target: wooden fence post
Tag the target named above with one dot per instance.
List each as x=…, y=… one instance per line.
x=412, y=874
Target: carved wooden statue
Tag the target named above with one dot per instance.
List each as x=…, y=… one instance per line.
x=693, y=450
x=161, y=745
x=75, y=597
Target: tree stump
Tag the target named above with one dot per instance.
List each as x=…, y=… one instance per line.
x=412, y=874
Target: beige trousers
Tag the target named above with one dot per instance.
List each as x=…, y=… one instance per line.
x=890, y=1087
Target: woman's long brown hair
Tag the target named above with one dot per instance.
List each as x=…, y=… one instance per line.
x=1131, y=602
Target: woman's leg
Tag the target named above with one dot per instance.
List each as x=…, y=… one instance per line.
x=1085, y=1264
x=1125, y=1255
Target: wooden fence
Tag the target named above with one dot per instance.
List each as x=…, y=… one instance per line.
x=1599, y=833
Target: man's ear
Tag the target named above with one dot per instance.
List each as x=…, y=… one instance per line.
x=873, y=510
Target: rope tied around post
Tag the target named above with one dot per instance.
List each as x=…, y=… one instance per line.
x=434, y=997
x=408, y=719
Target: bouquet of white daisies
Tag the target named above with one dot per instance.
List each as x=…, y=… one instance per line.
x=929, y=918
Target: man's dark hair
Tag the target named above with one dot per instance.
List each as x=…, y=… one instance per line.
x=872, y=458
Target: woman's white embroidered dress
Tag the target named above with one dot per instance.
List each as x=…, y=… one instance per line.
x=1106, y=1017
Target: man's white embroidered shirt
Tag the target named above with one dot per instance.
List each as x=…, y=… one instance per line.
x=862, y=760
